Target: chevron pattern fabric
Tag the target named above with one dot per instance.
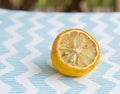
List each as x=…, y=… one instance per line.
x=25, y=43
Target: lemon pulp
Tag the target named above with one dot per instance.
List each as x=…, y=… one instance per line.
x=77, y=49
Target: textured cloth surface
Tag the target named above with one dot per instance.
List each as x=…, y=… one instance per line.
x=25, y=43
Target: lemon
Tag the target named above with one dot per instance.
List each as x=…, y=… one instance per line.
x=75, y=52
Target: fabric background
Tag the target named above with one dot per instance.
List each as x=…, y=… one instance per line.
x=25, y=43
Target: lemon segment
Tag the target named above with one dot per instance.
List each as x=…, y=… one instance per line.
x=75, y=52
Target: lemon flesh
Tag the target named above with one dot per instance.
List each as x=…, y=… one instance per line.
x=77, y=49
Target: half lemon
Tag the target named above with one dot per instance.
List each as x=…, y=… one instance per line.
x=75, y=52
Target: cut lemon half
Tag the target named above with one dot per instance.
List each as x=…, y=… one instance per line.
x=75, y=52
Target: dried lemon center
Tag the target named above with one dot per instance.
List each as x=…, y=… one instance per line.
x=77, y=49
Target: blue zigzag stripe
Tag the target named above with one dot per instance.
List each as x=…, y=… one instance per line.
x=42, y=60
x=65, y=20
x=15, y=60
x=117, y=75
x=114, y=43
x=97, y=76
x=5, y=22
x=75, y=87
x=90, y=25
x=23, y=51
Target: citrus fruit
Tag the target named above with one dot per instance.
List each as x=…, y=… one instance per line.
x=75, y=52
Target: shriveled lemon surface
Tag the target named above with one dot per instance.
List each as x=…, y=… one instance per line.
x=75, y=52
